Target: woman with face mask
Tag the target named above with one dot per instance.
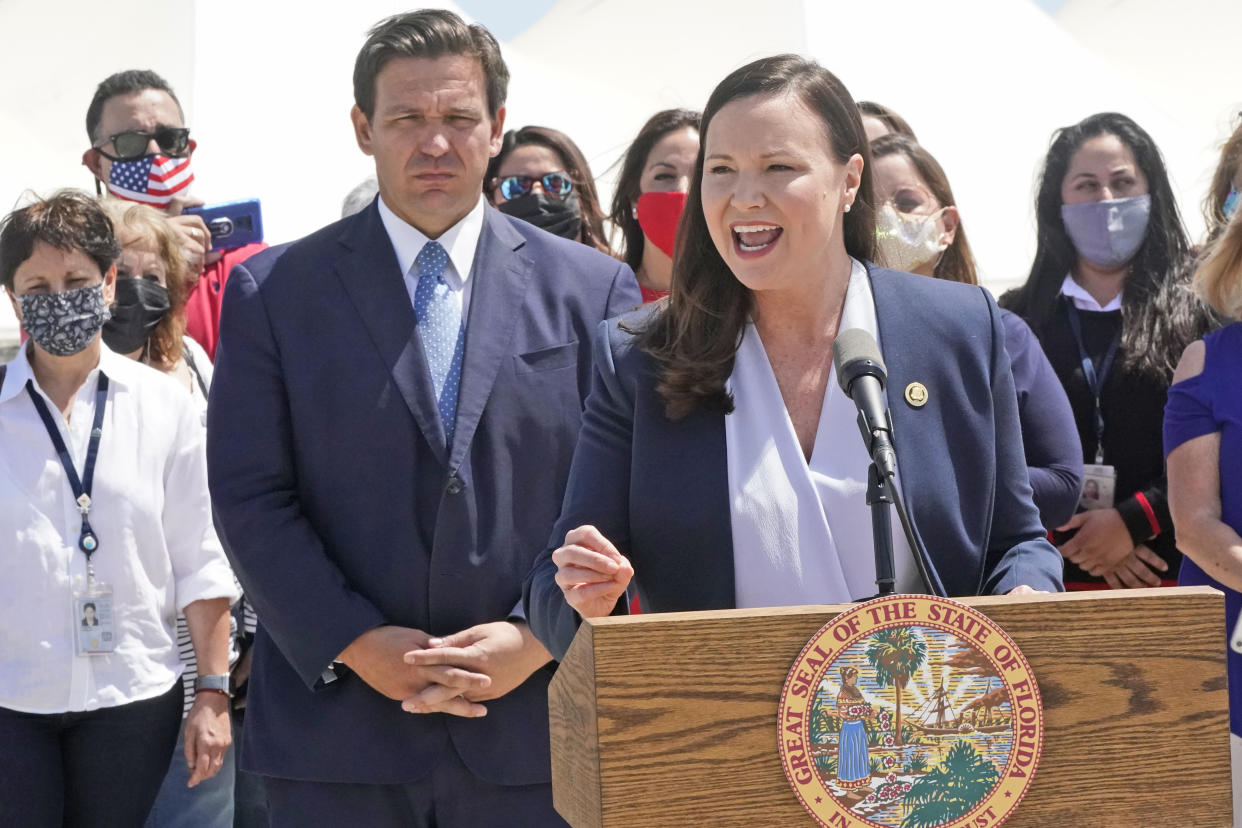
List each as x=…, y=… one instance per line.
x=148, y=326
x=651, y=195
x=1203, y=444
x=1107, y=298
x=719, y=463
x=919, y=230
x=541, y=177
x=147, y=323
x=103, y=501
x=1225, y=193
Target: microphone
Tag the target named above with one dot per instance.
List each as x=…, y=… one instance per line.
x=861, y=373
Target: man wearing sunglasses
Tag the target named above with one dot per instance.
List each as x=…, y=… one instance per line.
x=140, y=151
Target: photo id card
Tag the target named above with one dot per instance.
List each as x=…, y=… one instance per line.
x=93, y=624
x=1098, y=485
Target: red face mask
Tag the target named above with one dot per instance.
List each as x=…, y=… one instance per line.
x=658, y=215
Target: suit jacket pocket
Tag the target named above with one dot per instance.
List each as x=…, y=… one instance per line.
x=547, y=359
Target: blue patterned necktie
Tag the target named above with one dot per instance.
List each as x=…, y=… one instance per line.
x=437, y=307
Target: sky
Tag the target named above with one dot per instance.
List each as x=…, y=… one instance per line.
x=507, y=19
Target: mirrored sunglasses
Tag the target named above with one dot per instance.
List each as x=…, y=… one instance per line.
x=554, y=184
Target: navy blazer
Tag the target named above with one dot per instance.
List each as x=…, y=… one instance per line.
x=659, y=489
x=342, y=507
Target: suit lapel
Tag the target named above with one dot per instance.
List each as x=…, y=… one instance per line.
x=369, y=271
x=902, y=349
x=499, y=278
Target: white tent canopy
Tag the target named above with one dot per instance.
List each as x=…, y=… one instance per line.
x=983, y=82
x=266, y=87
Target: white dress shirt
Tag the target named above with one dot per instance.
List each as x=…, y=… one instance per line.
x=460, y=242
x=157, y=548
x=1084, y=301
x=802, y=531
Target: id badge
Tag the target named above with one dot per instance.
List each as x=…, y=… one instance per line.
x=1235, y=640
x=1098, y=485
x=93, y=623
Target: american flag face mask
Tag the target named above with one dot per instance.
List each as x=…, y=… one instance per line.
x=152, y=179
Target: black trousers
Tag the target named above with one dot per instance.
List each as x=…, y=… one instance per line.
x=450, y=796
x=99, y=769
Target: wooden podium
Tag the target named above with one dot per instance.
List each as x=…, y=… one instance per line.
x=670, y=719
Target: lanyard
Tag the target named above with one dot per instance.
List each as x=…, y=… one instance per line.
x=1095, y=380
x=87, y=541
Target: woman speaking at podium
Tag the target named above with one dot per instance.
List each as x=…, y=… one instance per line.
x=719, y=464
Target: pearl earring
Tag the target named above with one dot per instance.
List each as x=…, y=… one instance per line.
x=847, y=207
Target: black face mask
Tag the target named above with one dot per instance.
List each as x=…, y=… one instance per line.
x=559, y=216
x=138, y=309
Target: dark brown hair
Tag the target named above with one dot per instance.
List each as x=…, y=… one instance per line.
x=430, y=33
x=958, y=262
x=69, y=220
x=897, y=124
x=1222, y=183
x=152, y=229
x=694, y=340
x=1159, y=314
x=629, y=181
x=123, y=83
x=575, y=163
x=852, y=692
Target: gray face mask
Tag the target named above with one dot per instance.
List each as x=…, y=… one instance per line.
x=64, y=323
x=1107, y=233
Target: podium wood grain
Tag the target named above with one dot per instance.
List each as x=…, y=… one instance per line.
x=670, y=720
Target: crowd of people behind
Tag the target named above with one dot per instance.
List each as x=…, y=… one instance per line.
x=335, y=465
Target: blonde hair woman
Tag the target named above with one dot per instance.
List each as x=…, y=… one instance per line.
x=1203, y=446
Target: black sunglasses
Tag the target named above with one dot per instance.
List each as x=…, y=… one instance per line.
x=131, y=144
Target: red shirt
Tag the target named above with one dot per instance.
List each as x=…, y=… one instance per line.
x=202, y=309
x=651, y=294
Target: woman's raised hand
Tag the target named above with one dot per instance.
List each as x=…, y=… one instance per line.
x=591, y=572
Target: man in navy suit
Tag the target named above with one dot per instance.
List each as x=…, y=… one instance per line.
x=394, y=410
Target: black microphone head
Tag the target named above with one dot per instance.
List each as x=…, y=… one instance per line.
x=855, y=354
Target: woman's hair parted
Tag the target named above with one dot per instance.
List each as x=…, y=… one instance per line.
x=1222, y=182
x=140, y=225
x=1160, y=315
x=695, y=339
x=629, y=180
x=68, y=220
x=958, y=262
x=1219, y=276
x=575, y=164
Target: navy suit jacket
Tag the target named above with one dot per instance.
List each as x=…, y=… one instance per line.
x=342, y=507
x=659, y=489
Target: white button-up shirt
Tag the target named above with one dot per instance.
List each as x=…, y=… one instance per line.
x=1084, y=301
x=460, y=242
x=802, y=529
x=151, y=514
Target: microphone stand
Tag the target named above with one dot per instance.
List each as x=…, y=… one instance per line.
x=881, y=531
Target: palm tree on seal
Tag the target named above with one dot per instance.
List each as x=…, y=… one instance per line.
x=895, y=654
x=960, y=783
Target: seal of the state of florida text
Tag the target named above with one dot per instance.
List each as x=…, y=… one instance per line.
x=910, y=711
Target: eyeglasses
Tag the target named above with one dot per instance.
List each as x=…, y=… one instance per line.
x=555, y=185
x=131, y=144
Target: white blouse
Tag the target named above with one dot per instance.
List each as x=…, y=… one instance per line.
x=151, y=514
x=802, y=531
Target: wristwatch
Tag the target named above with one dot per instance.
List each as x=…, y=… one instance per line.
x=218, y=684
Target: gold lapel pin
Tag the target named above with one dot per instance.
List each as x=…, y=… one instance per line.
x=916, y=394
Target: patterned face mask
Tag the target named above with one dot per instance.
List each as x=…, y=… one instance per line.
x=64, y=323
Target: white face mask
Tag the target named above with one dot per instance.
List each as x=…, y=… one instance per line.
x=905, y=243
